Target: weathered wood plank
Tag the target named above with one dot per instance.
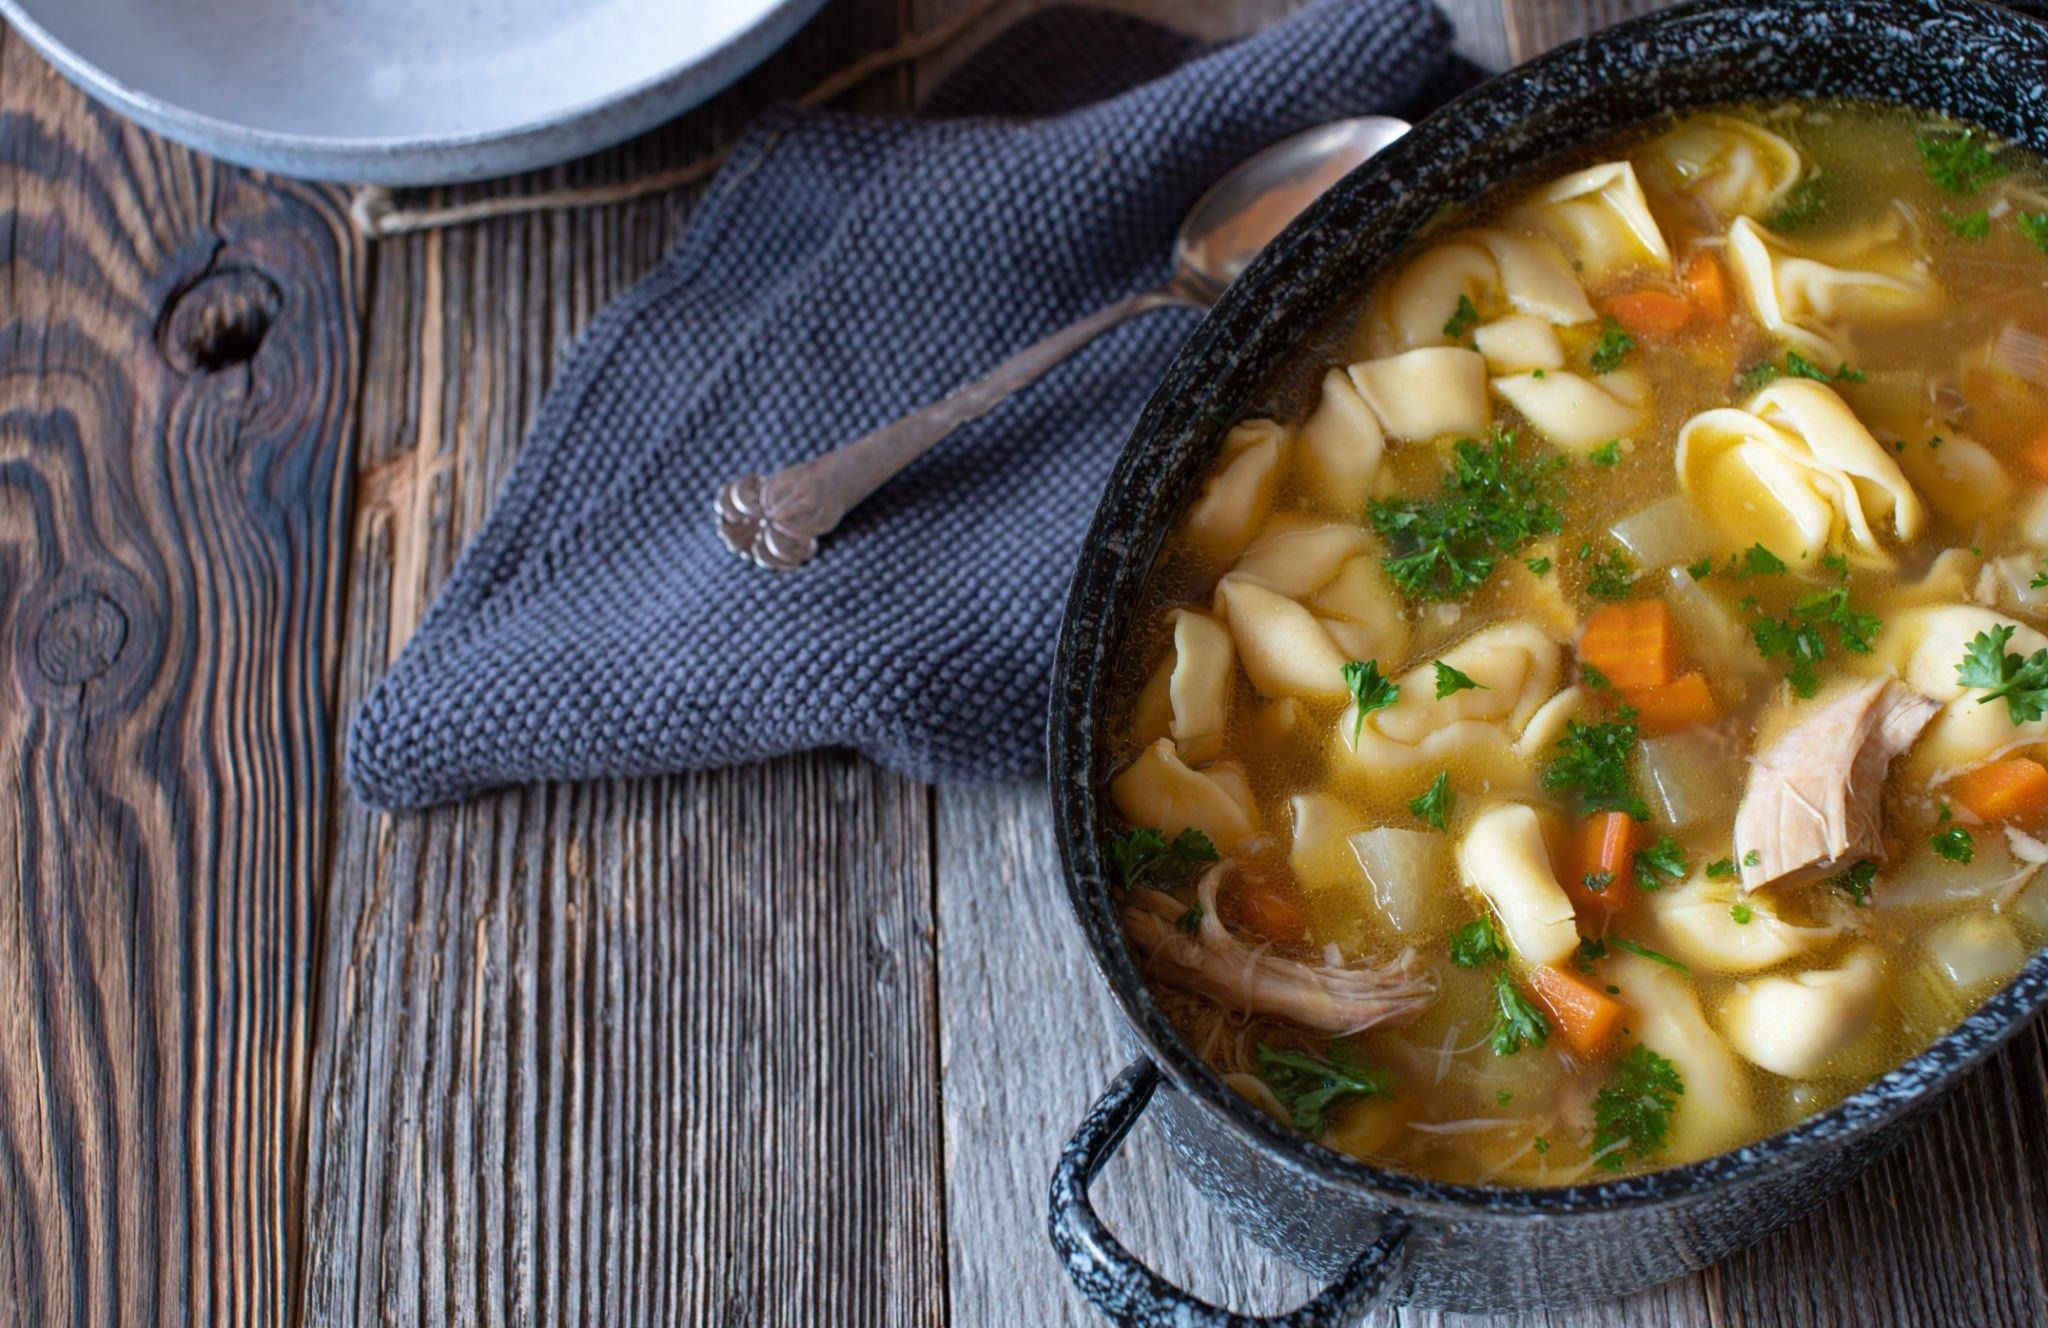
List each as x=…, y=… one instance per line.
x=177, y=366
x=639, y=1052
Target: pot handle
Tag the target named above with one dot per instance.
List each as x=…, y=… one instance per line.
x=1132, y=1295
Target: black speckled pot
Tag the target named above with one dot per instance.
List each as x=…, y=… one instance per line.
x=1383, y=1234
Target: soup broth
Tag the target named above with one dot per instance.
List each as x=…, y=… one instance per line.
x=1597, y=717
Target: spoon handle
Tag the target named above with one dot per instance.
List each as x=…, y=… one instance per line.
x=776, y=519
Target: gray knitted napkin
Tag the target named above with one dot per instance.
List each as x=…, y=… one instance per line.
x=842, y=271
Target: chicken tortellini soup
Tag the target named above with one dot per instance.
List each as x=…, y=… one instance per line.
x=1598, y=715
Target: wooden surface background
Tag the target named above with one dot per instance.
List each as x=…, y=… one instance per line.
x=793, y=1043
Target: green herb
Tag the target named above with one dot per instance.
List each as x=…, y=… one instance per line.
x=1477, y=944
x=1960, y=163
x=1662, y=859
x=2023, y=683
x=1607, y=454
x=1449, y=682
x=1309, y=1086
x=1837, y=565
x=1802, y=637
x=2034, y=225
x=1741, y=913
x=1802, y=206
x=1632, y=1114
x=1955, y=844
x=1593, y=680
x=1759, y=561
x=1702, y=569
x=1611, y=576
x=2040, y=580
x=1370, y=690
x=1538, y=565
x=1720, y=869
x=1646, y=952
x=1597, y=882
x=1503, y=1097
x=1593, y=760
x=1518, y=1023
x=1969, y=226
x=1934, y=444
x=1462, y=319
x=1752, y=859
x=1612, y=346
x=1856, y=882
x=1798, y=366
x=1759, y=376
x=1146, y=857
x=1491, y=502
x=1540, y=1144
x=1536, y=373
x=1434, y=803
x=1944, y=816
x=1591, y=950
x=1191, y=921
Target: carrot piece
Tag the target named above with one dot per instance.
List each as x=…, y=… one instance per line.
x=1707, y=283
x=2035, y=457
x=1267, y=911
x=1584, y=1016
x=1634, y=644
x=1607, y=853
x=1652, y=313
x=2015, y=789
x=1682, y=703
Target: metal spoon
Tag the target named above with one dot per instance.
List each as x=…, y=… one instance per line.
x=776, y=519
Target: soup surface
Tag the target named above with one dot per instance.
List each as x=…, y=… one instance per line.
x=1597, y=718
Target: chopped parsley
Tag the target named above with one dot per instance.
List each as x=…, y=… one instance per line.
x=1632, y=1114
x=1702, y=569
x=1960, y=163
x=1477, y=944
x=1146, y=857
x=1607, y=454
x=1597, y=882
x=1759, y=376
x=1503, y=1097
x=2034, y=225
x=1190, y=921
x=1720, y=869
x=1540, y=1144
x=1492, y=502
x=1955, y=844
x=1657, y=956
x=1610, y=576
x=1518, y=1023
x=1801, y=208
x=1752, y=859
x=1370, y=691
x=1593, y=680
x=1664, y=859
x=2022, y=683
x=1802, y=636
x=1591, y=950
x=1837, y=565
x=1593, y=761
x=1309, y=1086
x=1760, y=561
x=2040, y=581
x=1433, y=804
x=1741, y=913
x=1614, y=344
x=1798, y=366
x=1462, y=320
x=1539, y=566
x=1969, y=225
x=1449, y=682
x=1856, y=882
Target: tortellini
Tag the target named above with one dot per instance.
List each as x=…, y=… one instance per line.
x=1519, y=344
x=1923, y=647
x=1957, y=475
x=1188, y=697
x=1796, y=1025
x=1489, y=267
x=1518, y=666
x=1239, y=494
x=1695, y=924
x=1796, y=471
x=1304, y=600
x=1421, y=301
x=1536, y=277
x=1161, y=792
x=1731, y=165
x=1715, y=1113
x=1504, y=857
x=1602, y=219
x=1341, y=445
x=1575, y=413
x=1813, y=300
x=1427, y=393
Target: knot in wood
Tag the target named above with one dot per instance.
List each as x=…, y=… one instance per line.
x=79, y=638
x=220, y=320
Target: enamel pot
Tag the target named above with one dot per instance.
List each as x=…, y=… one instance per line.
x=1385, y=1236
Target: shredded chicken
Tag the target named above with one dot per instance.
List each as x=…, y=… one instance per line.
x=1813, y=802
x=1335, y=999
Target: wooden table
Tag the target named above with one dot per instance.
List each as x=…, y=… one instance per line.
x=790, y=1043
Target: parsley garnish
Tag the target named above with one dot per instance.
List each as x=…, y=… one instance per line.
x=1970, y=225
x=1607, y=454
x=1610, y=576
x=1955, y=844
x=1759, y=376
x=1540, y=1144
x=1720, y=869
x=1752, y=859
x=1741, y=913
x=1477, y=944
x=1434, y=803
x=1190, y=921
x=1597, y=882
x=2040, y=580
x=1856, y=882
x=1370, y=691
x=1837, y=565
x=1759, y=561
x=1309, y=1086
x=1802, y=206
x=1646, y=952
x=1614, y=343
x=1462, y=319
x=2034, y=225
x=1662, y=859
x=1593, y=680
x=1491, y=502
x=1449, y=682
x=1702, y=569
x=1592, y=760
x=2022, y=682
x=1798, y=366
x=1633, y=1112
x=1801, y=637
x=1519, y=1023
x=1146, y=857
x=1960, y=163
x=1591, y=949
x=1503, y=1097
x=1538, y=565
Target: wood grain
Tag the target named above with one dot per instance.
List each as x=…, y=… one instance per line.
x=177, y=368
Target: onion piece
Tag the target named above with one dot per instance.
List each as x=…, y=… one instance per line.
x=1717, y=642
x=1667, y=533
x=2016, y=589
x=1404, y=869
x=1689, y=778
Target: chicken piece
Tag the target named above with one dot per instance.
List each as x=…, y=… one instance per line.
x=1812, y=805
x=1335, y=999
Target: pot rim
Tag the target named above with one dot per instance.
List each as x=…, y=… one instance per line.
x=1139, y=497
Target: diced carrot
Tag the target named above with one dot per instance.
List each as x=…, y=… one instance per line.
x=1707, y=284
x=1635, y=645
x=1580, y=1013
x=1607, y=853
x=1651, y=313
x=2015, y=789
x=1682, y=703
x=2035, y=457
x=1266, y=911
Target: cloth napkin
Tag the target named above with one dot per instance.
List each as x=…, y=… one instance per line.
x=842, y=271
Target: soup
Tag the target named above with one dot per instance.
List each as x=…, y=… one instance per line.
x=1596, y=716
